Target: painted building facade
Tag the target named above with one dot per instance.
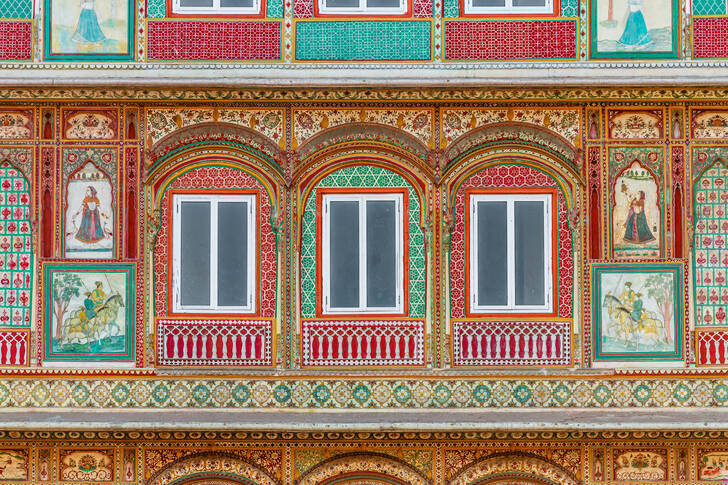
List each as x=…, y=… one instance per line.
x=321, y=241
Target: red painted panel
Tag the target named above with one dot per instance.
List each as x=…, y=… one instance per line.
x=511, y=40
x=710, y=37
x=16, y=40
x=176, y=41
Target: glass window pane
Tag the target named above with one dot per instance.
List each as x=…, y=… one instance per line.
x=383, y=3
x=529, y=3
x=529, y=240
x=381, y=253
x=195, y=253
x=492, y=253
x=232, y=253
x=342, y=3
x=489, y=3
x=236, y=3
x=344, y=254
x=195, y=3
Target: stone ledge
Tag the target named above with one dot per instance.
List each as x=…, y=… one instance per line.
x=712, y=419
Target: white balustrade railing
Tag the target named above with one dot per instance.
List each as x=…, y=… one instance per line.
x=371, y=343
x=511, y=343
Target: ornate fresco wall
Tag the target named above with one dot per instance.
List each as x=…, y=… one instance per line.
x=85, y=183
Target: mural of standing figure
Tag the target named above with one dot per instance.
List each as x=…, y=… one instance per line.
x=635, y=28
x=91, y=229
x=88, y=30
x=636, y=228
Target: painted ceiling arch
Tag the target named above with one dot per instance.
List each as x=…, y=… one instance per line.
x=211, y=469
x=363, y=469
x=514, y=469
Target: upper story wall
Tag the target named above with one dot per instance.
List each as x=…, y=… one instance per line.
x=430, y=41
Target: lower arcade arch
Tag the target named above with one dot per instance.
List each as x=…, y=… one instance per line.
x=211, y=469
x=514, y=469
x=363, y=469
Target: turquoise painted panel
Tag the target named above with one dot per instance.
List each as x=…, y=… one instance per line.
x=16, y=9
x=364, y=176
x=156, y=9
x=709, y=7
x=364, y=41
x=274, y=9
x=451, y=9
x=569, y=8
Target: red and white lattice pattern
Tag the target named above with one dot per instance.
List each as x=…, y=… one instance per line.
x=537, y=344
x=213, y=40
x=712, y=347
x=229, y=343
x=15, y=40
x=511, y=40
x=212, y=178
x=13, y=348
x=303, y=9
x=512, y=176
x=422, y=8
x=710, y=37
x=374, y=343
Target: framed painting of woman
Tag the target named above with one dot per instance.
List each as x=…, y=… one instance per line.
x=89, y=30
x=624, y=29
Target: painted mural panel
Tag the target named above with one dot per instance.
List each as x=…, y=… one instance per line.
x=634, y=28
x=637, y=312
x=14, y=465
x=636, y=215
x=89, y=311
x=89, y=29
x=643, y=465
x=86, y=465
x=90, y=124
x=16, y=124
x=709, y=124
x=89, y=220
x=713, y=465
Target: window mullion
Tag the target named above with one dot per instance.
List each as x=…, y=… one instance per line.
x=399, y=254
x=548, y=251
x=474, y=280
x=362, y=254
x=213, y=254
x=511, y=248
x=325, y=256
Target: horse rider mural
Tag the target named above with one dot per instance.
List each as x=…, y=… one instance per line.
x=92, y=304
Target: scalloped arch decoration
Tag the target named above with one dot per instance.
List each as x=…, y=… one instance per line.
x=363, y=469
x=207, y=468
x=513, y=468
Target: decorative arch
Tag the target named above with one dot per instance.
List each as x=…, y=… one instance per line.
x=372, y=138
x=215, y=134
x=514, y=468
x=544, y=144
x=363, y=468
x=211, y=468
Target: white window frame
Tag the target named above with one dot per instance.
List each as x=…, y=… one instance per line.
x=510, y=200
x=214, y=200
x=509, y=8
x=362, y=9
x=326, y=254
x=216, y=9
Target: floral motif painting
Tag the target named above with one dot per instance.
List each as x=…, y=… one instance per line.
x=636, y=215
x=634, y=28
x=637, y=312
x=640, y=465
x=90, y=125
x=89, y=30
x=89, y=312
x=16, y=124
x=86, y=465
x=89, y=219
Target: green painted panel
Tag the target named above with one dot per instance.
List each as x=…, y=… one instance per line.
x=364, y=176
x=156, y=9
x=364, y=41
x=709, y=7
x=16, y=9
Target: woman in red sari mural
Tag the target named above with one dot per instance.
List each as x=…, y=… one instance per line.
x=91, y=229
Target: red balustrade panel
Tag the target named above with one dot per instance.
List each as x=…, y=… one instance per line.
x=214, y=343
x=14, y=347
